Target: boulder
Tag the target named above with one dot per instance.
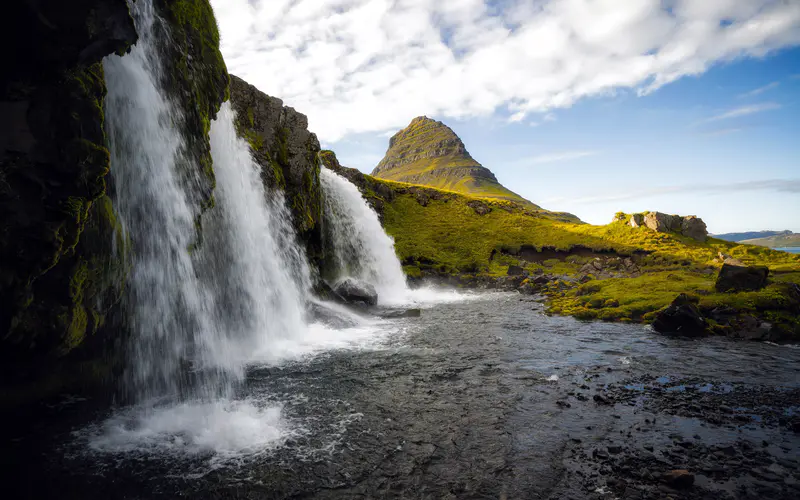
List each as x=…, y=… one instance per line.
x=690, y=226
x=678, y=479
x=658, y=221
x=401, y=313
x=694, y=228
x=734, y=278
x=479, y=207
x=681, y=318
x=516, y=271
x=354, y=290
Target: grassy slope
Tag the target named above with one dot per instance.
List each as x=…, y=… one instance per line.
x=779, y=241
x=448, y=236
x=426, y=173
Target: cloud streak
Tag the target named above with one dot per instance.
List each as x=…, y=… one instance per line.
x=559, y=157
x=759, y=90
x=722, y=132
x=744, y=111
x=358, y=66
x=774, y=185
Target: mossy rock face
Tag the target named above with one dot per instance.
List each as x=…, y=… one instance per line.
x=58, y=272
x=196, y=78
x=288, y=155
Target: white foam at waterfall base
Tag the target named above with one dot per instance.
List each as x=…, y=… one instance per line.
x=222, y=427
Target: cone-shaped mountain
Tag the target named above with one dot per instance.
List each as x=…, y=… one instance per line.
x=429, y=153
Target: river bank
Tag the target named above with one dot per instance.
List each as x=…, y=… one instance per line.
x=485, y=397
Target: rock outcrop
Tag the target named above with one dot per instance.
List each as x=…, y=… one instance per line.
x=287, y=153
x=429, y=153
x=734, y=278
x=62, y=252
x=356, y=291
x=682, y=317
x=197, y=81
x=690, y=226
x=58, y=271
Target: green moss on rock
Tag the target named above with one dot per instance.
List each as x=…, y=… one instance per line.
x=287, y=153
x=197, y=80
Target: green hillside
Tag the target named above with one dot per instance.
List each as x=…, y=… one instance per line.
x=782, y=240
x=468, y=239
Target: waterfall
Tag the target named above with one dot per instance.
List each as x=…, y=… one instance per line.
x=208, y=293
x=251, y=256
x=166, y=306
x=361, y=248
x=198, y=307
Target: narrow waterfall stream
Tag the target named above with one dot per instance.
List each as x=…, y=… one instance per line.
x=167, y=308
x=361, y=247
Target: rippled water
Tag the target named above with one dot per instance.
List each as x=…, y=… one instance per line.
x=464, y=401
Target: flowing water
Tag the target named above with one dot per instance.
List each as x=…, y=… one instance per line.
x=237, y=393
x=360, y=247
x=166, y=304
x=204, y=300
x=483, y=398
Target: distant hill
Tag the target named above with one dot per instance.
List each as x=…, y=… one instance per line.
x=429, y=153
x=782, y=240
x=748, y=235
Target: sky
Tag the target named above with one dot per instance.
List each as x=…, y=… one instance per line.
x=585, y=106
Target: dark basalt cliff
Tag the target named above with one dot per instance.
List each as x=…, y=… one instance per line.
x=62, y=253
x=288, y=155
x=58, y=273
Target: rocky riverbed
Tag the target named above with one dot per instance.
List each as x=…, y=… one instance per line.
x=485, y=397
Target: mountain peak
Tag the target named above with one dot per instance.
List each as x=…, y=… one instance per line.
x=429, y=153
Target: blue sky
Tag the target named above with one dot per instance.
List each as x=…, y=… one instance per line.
x=586, y=106
x=673, y=150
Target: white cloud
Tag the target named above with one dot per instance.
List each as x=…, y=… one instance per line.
x=371, y=65
x=759, y=90
x=744, y=111
x=560, y=156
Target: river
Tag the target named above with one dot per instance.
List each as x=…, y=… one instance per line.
x=483, y=396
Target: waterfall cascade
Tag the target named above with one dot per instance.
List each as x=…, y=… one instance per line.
x=206, y=300
x=166, y=306
x=361, y=247
x=196, y=309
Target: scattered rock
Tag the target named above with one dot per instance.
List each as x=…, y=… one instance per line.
x=479, y=207
x=516, y=271
x=694, y=228
x=678, y=479
x=354, y=290
x=401, y=313
x=733, y=278
x=681, y=318
x=690, y=226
